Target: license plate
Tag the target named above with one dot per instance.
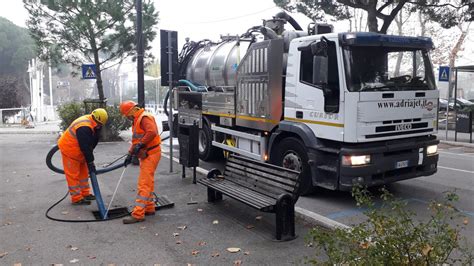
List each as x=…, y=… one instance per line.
x=401, y=164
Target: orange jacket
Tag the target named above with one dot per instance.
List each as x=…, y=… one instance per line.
x=68, y=143
x=145, y=131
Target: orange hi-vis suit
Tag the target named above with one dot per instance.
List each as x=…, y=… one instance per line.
x=74, y=160
x=145, y=132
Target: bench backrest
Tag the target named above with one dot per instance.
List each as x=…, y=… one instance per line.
x=262, y=177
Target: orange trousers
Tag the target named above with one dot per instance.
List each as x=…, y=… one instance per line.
x=77, y=177
x=146, y=185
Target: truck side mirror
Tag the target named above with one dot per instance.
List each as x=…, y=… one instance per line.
x=320, y=70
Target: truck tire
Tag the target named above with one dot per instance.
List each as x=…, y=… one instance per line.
x=207, y=152
x=291, y=153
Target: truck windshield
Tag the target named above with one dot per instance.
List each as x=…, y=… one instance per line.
x=378, y=68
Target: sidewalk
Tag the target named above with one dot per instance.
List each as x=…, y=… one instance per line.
x=196, y=234
x=462, y=138
x=50, y=127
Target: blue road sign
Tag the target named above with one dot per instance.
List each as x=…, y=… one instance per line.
x=89, y=71
x=443, y=73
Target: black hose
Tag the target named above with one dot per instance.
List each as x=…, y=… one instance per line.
x=77, y=221
x=50, y=165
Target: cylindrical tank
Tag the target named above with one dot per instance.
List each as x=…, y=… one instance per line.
x=216, y=64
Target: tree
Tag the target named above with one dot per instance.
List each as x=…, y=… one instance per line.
x=16, y=48
x=441, y=11
x=102, y=32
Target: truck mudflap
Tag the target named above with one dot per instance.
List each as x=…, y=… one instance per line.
x=389, y=162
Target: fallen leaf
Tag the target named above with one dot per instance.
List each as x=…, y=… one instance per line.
x=258, y=218
x=7, y=223
x=202, y=243
x=64, y=212
x=215, y=222
x=17, y=264
x=237, y=262
x=364, y=245
x=310, y=244
x=466, y=221
x=195, y=252
x=142, y=227
x=156, y=264
x=178, y=242
x=92, y=257
x=74, y=248
x=3, y=254
x=175, y=234
x=216, y=254
x=156, y=234
x=28, y=248
x=56, y=264
x=250, y=226
x=233, y=250
x=199, y=210
x=247, y=253
x=426, y=250
x=74, y=261
x=182, y=227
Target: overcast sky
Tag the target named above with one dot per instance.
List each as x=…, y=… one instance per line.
x=195, y=19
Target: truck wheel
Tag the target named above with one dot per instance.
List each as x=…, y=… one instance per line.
x=207, y=152
x=291, y=153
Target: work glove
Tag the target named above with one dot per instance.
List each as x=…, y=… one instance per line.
x=137, y=148
x=128, y=160
x=91, y=167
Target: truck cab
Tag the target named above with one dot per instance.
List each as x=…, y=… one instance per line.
x=371, y=102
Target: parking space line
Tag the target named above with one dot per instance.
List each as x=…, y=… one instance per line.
x=470, y=155
x=455, y=169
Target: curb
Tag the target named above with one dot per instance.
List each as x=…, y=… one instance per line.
x=25, y=132
x=458, y=144
x=304, y=214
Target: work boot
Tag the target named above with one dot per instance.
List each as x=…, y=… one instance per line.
x=132, y=220
x=82, y=202
x=89, y=197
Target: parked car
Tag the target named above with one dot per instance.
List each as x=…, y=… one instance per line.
x=460, y=104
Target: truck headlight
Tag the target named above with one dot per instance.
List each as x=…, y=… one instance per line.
x=355, y=160
x=432, y=150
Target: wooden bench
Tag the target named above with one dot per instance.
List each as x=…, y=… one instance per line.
x=263, y=186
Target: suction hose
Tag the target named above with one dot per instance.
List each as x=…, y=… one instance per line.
x=50, y=165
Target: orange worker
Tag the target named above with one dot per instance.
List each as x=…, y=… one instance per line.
x=76, y=145
x=146, y=146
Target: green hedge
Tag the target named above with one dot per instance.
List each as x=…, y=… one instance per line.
x=70, y=111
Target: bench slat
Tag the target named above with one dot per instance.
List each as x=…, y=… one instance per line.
x=227, y=185
x=262, y=188
x=239, y=193
x=256, y=181
x=265, y=167
x=287, y=184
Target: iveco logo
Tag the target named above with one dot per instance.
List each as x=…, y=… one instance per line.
x=429, y=106
x=402, y=127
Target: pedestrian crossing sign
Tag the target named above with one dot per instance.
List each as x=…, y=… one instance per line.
x=89, y=71
x=443, y=73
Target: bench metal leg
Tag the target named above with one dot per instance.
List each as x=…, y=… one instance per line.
x=285, y=220
x=213, y=195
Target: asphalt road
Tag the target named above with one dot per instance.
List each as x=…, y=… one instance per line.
x=455, y=173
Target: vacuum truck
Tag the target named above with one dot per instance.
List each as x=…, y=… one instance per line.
x=340, y=108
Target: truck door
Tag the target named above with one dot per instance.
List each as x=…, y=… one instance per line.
x=318, y=89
